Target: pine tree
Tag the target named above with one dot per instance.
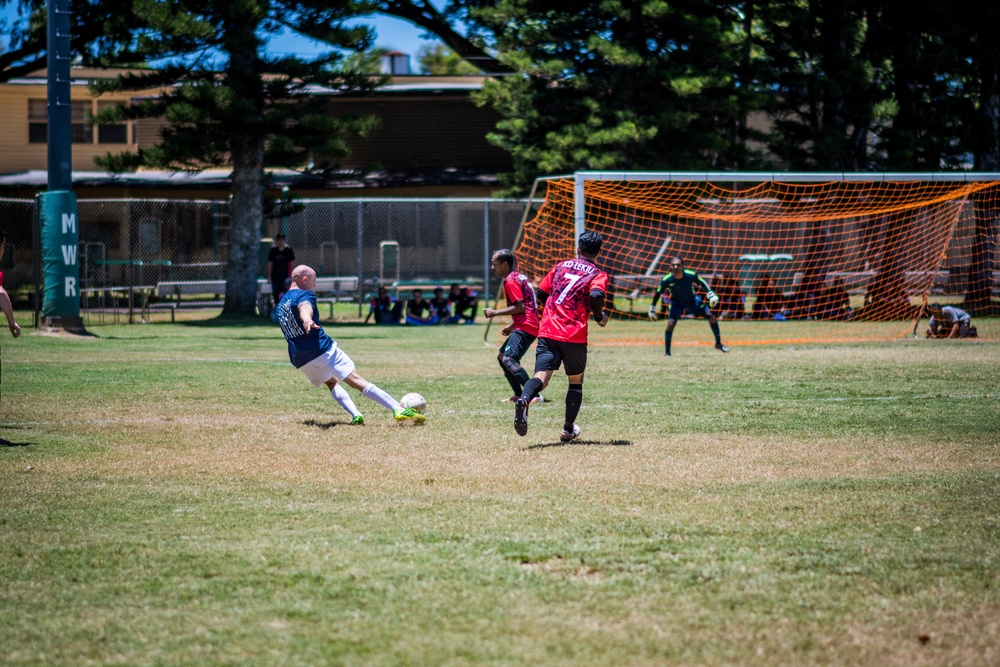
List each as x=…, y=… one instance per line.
x=623, y=85
x=228, y=103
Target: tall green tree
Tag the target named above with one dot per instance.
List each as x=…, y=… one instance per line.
x=623, y=85
x=819, y=73
x=228, y=103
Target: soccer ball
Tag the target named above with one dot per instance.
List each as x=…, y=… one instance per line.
x=414, y=401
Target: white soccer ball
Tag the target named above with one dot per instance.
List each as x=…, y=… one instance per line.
x=414, y=401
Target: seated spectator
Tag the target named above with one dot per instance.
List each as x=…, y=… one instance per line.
x=806, y=298
x=464, y=304
x=949, y=322
x=441, y=305
x=833, y=303
x=769, y=303
x=732, y=301
x=419, y=312
x=384, y=308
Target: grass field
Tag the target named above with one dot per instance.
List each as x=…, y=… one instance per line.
x=179, y=494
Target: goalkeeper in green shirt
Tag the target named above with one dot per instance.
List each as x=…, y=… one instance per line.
x=680, y=284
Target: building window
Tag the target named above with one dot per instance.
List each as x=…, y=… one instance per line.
x=38, y=130
x=81, y=131
x=113, y=133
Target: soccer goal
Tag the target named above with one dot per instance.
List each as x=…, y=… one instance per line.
x=795, y=257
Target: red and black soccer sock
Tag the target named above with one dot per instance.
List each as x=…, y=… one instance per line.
x=574, y=399
x=667, y=336
x=531, y=389
x=715, y=330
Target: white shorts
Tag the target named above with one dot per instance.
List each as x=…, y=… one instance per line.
x=332, y=364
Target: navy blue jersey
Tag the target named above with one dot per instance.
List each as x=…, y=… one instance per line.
x=681, y=290
x=302, y=347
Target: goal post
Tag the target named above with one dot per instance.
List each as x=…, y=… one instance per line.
x=804, y=257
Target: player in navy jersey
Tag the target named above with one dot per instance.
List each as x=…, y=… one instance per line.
x=523, y=329
x=681, y=284
x=569, y=294
x=320, y=358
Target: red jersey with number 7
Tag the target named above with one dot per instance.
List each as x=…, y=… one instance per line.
x=567, y=310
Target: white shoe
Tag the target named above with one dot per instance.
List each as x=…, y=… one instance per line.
x=566, y=436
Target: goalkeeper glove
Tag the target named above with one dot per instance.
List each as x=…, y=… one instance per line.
x=652, y=313
x=713, y=299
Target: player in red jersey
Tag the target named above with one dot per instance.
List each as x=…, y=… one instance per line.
x=5, y=304
x=523, y=330
x=571, y=291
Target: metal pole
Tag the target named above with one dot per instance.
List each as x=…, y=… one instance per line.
x=38, y=261
x=486, y=251
x=579, y=208
x=360, y=287
x=60, y=155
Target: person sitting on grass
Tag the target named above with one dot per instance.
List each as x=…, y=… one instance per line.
x=441, y=305
x=319, y=356
x=419, y=312
x=464, y=304
x=384, y=308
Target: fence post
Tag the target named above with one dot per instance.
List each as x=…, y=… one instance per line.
x=360, y=256
x=486, y=249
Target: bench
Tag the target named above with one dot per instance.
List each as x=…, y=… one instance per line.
x=329, y=290
x=178, y=288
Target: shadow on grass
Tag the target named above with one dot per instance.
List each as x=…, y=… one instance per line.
x=583, y=443
x=8, y=443
x=323, y=426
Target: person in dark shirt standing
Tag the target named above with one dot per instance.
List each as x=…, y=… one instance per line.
x=5, y=304
x=569, y=294
x=680, y=285
x=280, y=262
x=319, y=356
x=523, y=329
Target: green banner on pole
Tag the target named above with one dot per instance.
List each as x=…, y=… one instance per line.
x=60, y=243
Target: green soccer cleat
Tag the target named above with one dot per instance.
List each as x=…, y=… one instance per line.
x=358, y=421
x=408, y=414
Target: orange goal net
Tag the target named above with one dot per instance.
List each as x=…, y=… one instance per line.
x=794, y=257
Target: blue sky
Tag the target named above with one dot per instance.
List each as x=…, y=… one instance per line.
x=392, y=34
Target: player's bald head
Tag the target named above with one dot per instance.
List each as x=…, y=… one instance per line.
x=303, y=276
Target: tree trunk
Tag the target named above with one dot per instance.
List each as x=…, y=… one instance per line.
x=245, y=79
x=244, y=231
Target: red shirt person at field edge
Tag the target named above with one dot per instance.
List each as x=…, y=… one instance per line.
x=569, y=294
x=523, y=310
x=5, y=304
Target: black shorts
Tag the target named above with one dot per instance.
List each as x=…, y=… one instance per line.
x=551, y=353
x=516, y=345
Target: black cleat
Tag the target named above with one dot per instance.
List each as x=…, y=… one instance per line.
x=521, y=417
x=721, y=348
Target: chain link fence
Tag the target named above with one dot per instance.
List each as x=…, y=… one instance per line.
x=134, y=252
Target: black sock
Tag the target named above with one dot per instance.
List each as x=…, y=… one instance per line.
x=521, y=378
x=531, y=389
x=667, y=335
x=574, y=399
x=715, y=329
